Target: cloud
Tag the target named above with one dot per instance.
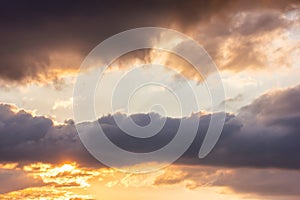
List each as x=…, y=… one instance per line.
x=266, y=183
x=42, y=179
x=249, y=39
x=263, y=134
x=47, y=193
x=25, y=138
x=263, y=182
x=43, y=41
x=17, y=180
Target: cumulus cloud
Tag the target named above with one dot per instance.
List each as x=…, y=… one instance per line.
x=263, y=134
x=25, y=138
x=42, y=41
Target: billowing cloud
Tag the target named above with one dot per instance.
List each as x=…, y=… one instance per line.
x=263, y=134
x=43, y=41
x=25, y=138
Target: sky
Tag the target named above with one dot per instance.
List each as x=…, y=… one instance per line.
x=255, y=47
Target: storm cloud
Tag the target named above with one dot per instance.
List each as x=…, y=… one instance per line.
x=25, y=138
x=263, y=134
x=40, y=41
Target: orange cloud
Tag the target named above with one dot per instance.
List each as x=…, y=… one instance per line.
x=55, y=46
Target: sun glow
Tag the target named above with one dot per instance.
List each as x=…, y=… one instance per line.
x=64, y=175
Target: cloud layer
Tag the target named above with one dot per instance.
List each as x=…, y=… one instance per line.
x=42, y=41
x=25, y=138
x=263, y=134
x=268, y=183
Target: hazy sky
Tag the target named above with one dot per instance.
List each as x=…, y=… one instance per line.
x=255, y=46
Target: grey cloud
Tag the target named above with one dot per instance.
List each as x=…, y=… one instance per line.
x=40, y=37
x=265, y=183
x=24, y=138
x=274, y=106
x=16, y=180
x=229, y=101
x=243, y=39
x=253, y=23
x=263, y=134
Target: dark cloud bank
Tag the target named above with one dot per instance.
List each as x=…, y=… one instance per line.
x=263, y=134
x=38, y=38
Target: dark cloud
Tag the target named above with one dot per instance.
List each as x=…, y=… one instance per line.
x=263, y=134
x=275, y=106
x=40, y=39
x=24, y=138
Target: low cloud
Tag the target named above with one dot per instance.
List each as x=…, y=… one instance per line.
x=263, y=134
x=25, y=138
x=268, y=183
x=16, y=179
